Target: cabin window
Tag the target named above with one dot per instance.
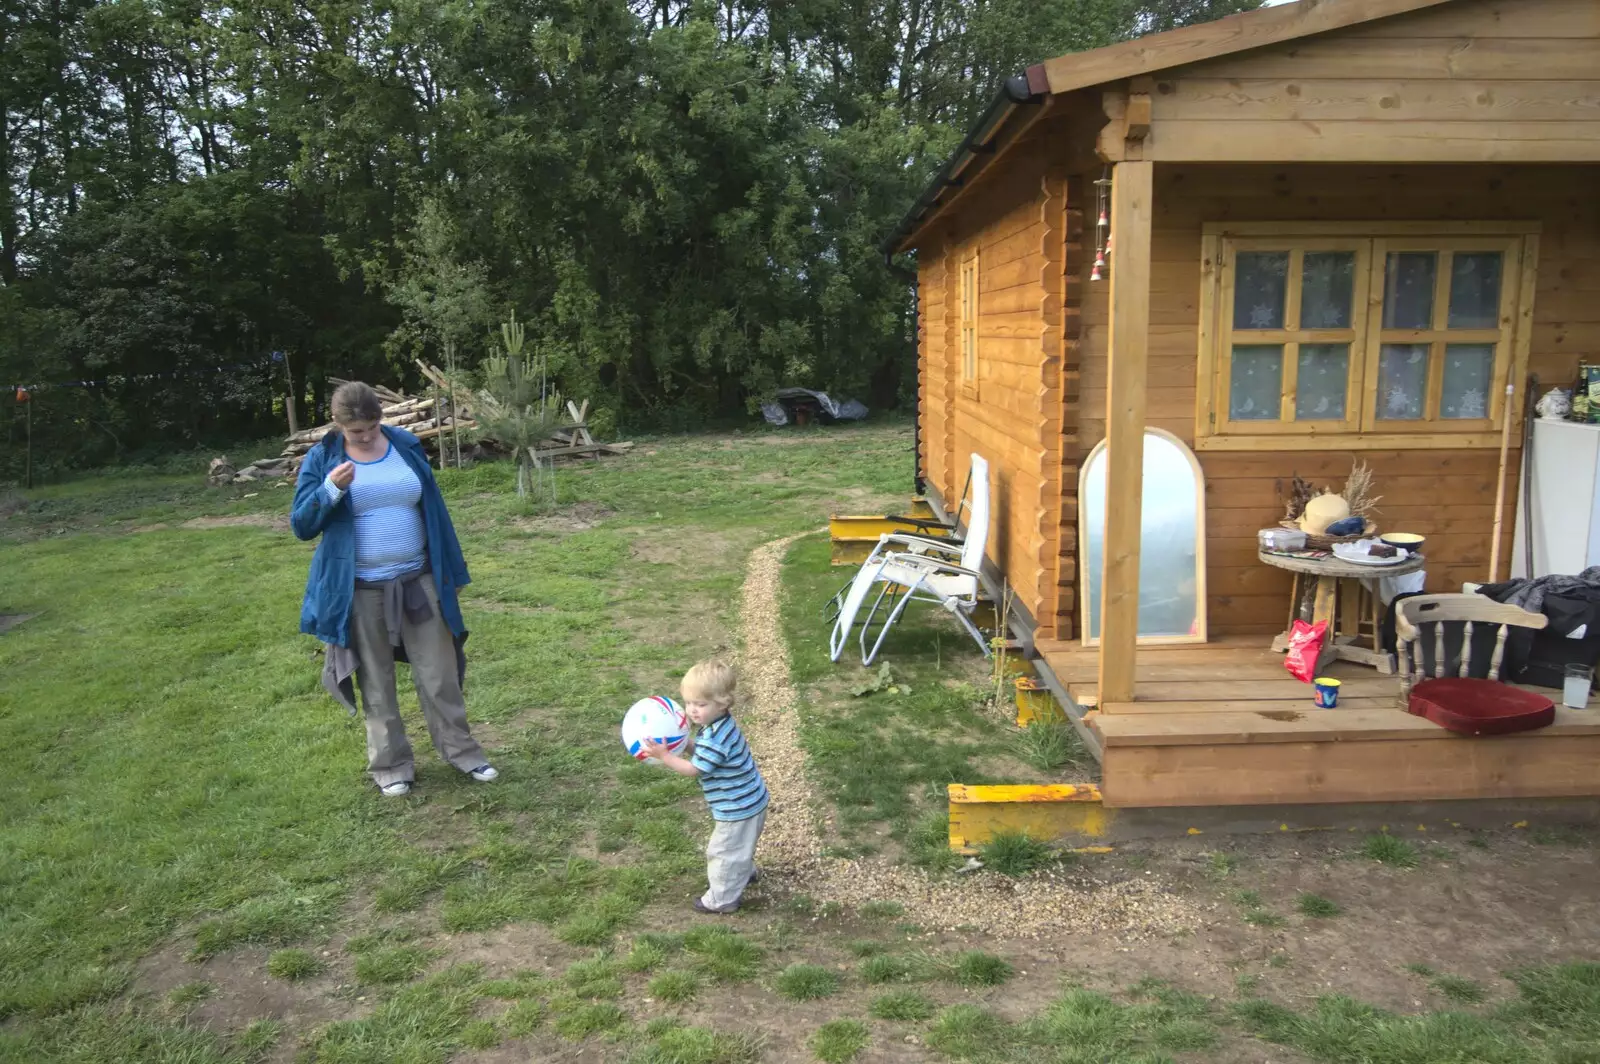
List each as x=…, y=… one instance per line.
x=1386, y=339
x=969, y=325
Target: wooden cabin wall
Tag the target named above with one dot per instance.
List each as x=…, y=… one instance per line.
x=1022, y=226
x=1447, y=495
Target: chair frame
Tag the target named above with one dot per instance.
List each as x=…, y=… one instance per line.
x=1411, y=614
x=927, y=558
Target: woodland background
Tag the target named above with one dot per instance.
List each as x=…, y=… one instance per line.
x=683, y=201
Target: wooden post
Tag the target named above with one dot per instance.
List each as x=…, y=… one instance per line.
x=288, y=403
x=1131, y=193
x=1500, y=484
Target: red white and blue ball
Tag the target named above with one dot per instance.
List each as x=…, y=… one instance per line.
x=658, y=718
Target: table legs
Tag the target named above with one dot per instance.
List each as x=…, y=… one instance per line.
x=1342, y=609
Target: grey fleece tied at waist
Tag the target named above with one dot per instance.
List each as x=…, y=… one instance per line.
x=402, y=595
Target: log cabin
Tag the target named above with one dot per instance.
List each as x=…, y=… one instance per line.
x=1338, y=230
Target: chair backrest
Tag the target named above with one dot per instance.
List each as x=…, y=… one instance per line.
x=977, y=534
x=1438, y=610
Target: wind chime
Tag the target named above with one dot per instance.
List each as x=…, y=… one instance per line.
x=1102, y=226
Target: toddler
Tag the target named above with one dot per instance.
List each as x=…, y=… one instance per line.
x=720, y=758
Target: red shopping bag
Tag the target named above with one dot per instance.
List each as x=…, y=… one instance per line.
x=1305, y=648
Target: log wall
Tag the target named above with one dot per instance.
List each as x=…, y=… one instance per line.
x=1447, y=495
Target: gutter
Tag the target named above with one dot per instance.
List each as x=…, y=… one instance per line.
x=1029, y=87
x=919, y=482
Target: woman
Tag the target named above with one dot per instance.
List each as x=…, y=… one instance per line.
x=383, y=585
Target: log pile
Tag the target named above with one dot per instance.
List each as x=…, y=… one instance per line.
x=427, y=419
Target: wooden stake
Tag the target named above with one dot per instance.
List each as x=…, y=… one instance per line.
x=1500, y=485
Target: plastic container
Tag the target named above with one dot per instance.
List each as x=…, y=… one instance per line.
x=1327, y=692
x=1575, y=689
x=1281, y=539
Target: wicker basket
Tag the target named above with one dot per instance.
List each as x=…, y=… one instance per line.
x=1327, y=542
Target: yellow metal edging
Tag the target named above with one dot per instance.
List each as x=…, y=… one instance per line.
x=1035, y=702
x=1047, y=812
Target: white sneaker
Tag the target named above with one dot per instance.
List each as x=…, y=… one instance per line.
x=396, y=790
x=484, y=773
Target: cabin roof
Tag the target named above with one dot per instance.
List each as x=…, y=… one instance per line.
x=1141, y=56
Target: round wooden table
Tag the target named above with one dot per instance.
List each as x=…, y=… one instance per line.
x=1334, y=576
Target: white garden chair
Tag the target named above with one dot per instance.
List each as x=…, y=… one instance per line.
x=923, y=570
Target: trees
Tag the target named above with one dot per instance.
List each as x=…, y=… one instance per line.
x=685, y=196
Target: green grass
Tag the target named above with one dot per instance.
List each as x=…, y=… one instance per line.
x=900, y=1005
x=883, y=761
x=424, y=1022
x=840, y=1041
x=697, y=1045
x=1013, y=853
x=265, y=833
x=259, y=1039
x=974, y=968
x=523, y=1018
x=1050, y=745
x=722, y=954
x=806, y=982
x=583, y=1021
x=597, y=977
x=292, y=965
x=967, y=1032
x=675, y=988
x=188, y=995
x=1386, y=849
x=881, y=910
x=480, y=1034
x=385, y=966
x=884, y=968
x=1317, y=907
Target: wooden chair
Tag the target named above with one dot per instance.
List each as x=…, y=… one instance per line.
x=1438, y=610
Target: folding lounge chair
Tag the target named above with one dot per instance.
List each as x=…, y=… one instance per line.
x=925, y=570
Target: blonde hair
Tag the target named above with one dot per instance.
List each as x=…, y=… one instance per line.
x=354, y=401
x=710, y=681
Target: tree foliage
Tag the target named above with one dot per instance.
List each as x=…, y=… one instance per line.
x=685, y=198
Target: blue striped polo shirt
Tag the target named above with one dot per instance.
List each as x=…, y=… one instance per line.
x=386, y=496
x=728, y=774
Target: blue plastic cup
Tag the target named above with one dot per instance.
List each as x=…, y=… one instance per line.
x=1327, y=692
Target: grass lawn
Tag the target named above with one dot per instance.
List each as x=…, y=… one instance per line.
x=194, y=868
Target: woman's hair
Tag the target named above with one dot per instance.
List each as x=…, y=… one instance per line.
x=710, y=681
x=354, y=401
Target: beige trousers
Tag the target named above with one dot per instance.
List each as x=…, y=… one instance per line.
x=730, y=858
x=432, y=652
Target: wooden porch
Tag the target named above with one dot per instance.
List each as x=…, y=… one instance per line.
x=1222, y=723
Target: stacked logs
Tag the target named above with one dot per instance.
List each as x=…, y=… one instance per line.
x=423, y=418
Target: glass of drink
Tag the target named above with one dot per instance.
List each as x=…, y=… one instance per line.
x=1575, y=692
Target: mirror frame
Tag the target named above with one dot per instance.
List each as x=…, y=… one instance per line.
x=1201, y=610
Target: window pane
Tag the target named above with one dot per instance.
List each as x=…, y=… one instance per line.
x=1475, y=290
x=1256, y=389
x=1324, y=371
x=1260, y=281
x=1328, y=281
x=1468, y=372
x=1402, y=382
x=1408, y=290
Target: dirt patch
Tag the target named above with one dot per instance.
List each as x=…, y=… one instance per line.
x=276, y=522
x=9, y=621
x=242, y=992
x=579, y=517
x=705, y=550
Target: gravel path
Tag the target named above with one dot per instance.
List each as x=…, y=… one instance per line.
x=791, y=852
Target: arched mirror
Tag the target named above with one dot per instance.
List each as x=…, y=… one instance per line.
x=1172, y=542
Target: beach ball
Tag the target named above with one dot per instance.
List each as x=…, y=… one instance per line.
x=658, y=718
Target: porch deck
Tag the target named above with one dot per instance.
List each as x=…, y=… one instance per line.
x=1222, y=723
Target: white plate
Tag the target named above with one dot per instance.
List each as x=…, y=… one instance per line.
x=1356, y=553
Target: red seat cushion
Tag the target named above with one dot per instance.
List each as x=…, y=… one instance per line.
x=1480, y=707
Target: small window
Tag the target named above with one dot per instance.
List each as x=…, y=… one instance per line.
x=969, y=324
x=1347, y=333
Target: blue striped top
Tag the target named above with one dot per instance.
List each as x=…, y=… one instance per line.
x=386, y=496
x=728, y=774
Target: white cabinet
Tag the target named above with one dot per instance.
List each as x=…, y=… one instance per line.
x=1562, y=513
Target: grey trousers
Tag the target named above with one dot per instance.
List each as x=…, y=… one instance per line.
x=730, y=858
x=432, y=652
